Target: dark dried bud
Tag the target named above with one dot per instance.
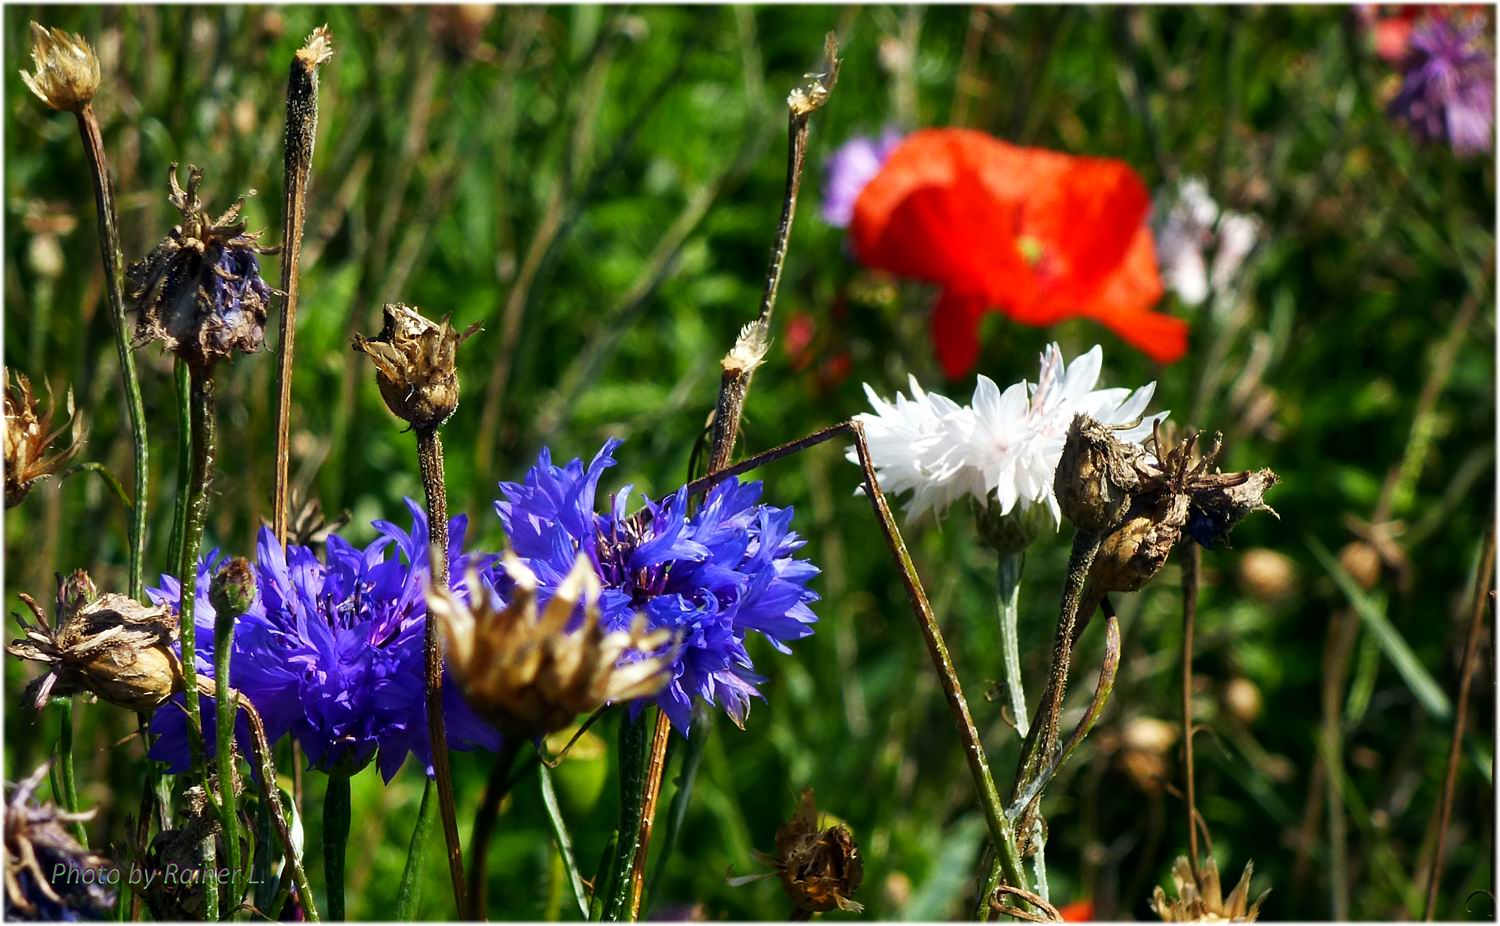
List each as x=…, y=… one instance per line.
x=525, y=673
x=111, y=647
x=1202, y=899
x=1221, y=500
x=67, y=72
x=232, y=591
x=1133, y=553
x=48, y=875
x=1096, y=475
x=199, y=292
x=416, y=366
x=29, y=436
x=1009, y=533
x=820, y=869
x=180, y=850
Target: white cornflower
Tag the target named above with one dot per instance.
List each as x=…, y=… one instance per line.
x=1002, y=449
x=1188, y=223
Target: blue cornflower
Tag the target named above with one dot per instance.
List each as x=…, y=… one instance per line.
x=710, y=578
x=1448, y=91
x=200, y=291
x=331, y=652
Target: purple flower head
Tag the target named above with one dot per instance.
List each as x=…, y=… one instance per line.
x=331, y=652
x=711, y=577
x=852, y=166
x=1448, y=92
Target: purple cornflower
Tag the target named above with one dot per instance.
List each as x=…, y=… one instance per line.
x=1448, y=93
x=852, y=166
x=710, y=578
x=331, y=652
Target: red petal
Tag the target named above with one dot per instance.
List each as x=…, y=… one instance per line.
x=955, y=332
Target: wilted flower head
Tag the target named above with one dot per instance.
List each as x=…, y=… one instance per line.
x=528, y=673
x=1448, y=90
x=820, y=869
x=415, y=365
x=109, y=646
x=331, y=650
x=180, y=849
x=709, y=578
x=199, y=292
x=1003, y=449
x=1200, y=247
x=48, y=875
x=29, y=436
x=854, y=164
x=67, y=73
x=1202, y=900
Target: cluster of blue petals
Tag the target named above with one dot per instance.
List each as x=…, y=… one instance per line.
x=332, y=651
x=712, y=577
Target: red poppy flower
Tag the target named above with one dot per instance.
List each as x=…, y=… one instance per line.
x=1079, y=911
x=1035, y=234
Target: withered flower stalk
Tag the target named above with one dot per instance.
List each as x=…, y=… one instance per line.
x=29, y=436
x=300, y=136
x=66, y=79
x=522, y=671
x=819, y=868
x=739, y=367
x=417, y=372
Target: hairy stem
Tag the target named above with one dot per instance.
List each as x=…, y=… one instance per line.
x=1480, y=603
x=225, y=710
x=335, y=840
x=484, y=824
x=430, y=459
x=1192, y=558
x=114, y=276
x=1008, y=590
x=301, y=132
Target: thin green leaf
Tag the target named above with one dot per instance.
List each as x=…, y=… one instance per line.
x=410, y=892
x=563, y=839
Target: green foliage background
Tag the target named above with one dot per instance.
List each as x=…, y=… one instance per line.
x=614, y=176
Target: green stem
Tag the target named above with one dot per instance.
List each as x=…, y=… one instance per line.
x=634, y=760
x=114, y=274
x=102, y=472
x=226, y=709
x=563, y=838
x=1008, y=592
x=182, y=383
x=410, y=892
x=210, y=883
x=335, y=840
x=69, y=795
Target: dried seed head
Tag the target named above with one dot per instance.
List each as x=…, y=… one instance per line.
x=67, y=72
x=1243, y=699
x=1267, y=575
x=180, y=849
x=524, y=671
x=1133, y=553
x=199, y=292
x=806, y=99
x=48, y=875
x=1096, y=475
x=1201, y=899
x=29, y=436
x=820, y=869
x=416, y=365
x=109, y=646
x=1222, y=500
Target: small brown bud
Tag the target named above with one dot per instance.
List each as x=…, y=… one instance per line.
x=1202, y=899
x=111, y=647
x=67, y=72
x=29, y=436
x=525, y=673
x=1243, y=700
x=1362, y=561
x=416, y=366
x=1097, y=475
x=1267, y=575
x=1133, y=553
x=820, y=869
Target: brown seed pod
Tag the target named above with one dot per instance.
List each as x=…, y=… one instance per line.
x=110, y=646
x=1202, y=899
x=1097, y=475
x=820, y=869
x=67, y=71
x=1133, y=553
x=29, y=436
x=416, y=366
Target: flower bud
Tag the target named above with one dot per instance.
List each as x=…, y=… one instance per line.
x=67, y=72
x=525, y=672
x=48, y=874
x=111, y=647
x=29, y=436
x=1096, y=475
x=1133, y=553
x=232, y=591
x=1361, y=560
x=199, y=292
x=1267, y=575
x=820, y=869
x=415, y=365
x=1012, y=532
x=1202, y=899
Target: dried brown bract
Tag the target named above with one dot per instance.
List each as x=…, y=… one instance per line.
x=1202, y=900
x=29, y=436
x=45, y=866
x=1097, y=475
x=820, y=869
x=67, y=71
x=180, y=849
x=199, y=292
x=110, y=646
x=806, y=99
x=529, y=675
x=416, y=365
